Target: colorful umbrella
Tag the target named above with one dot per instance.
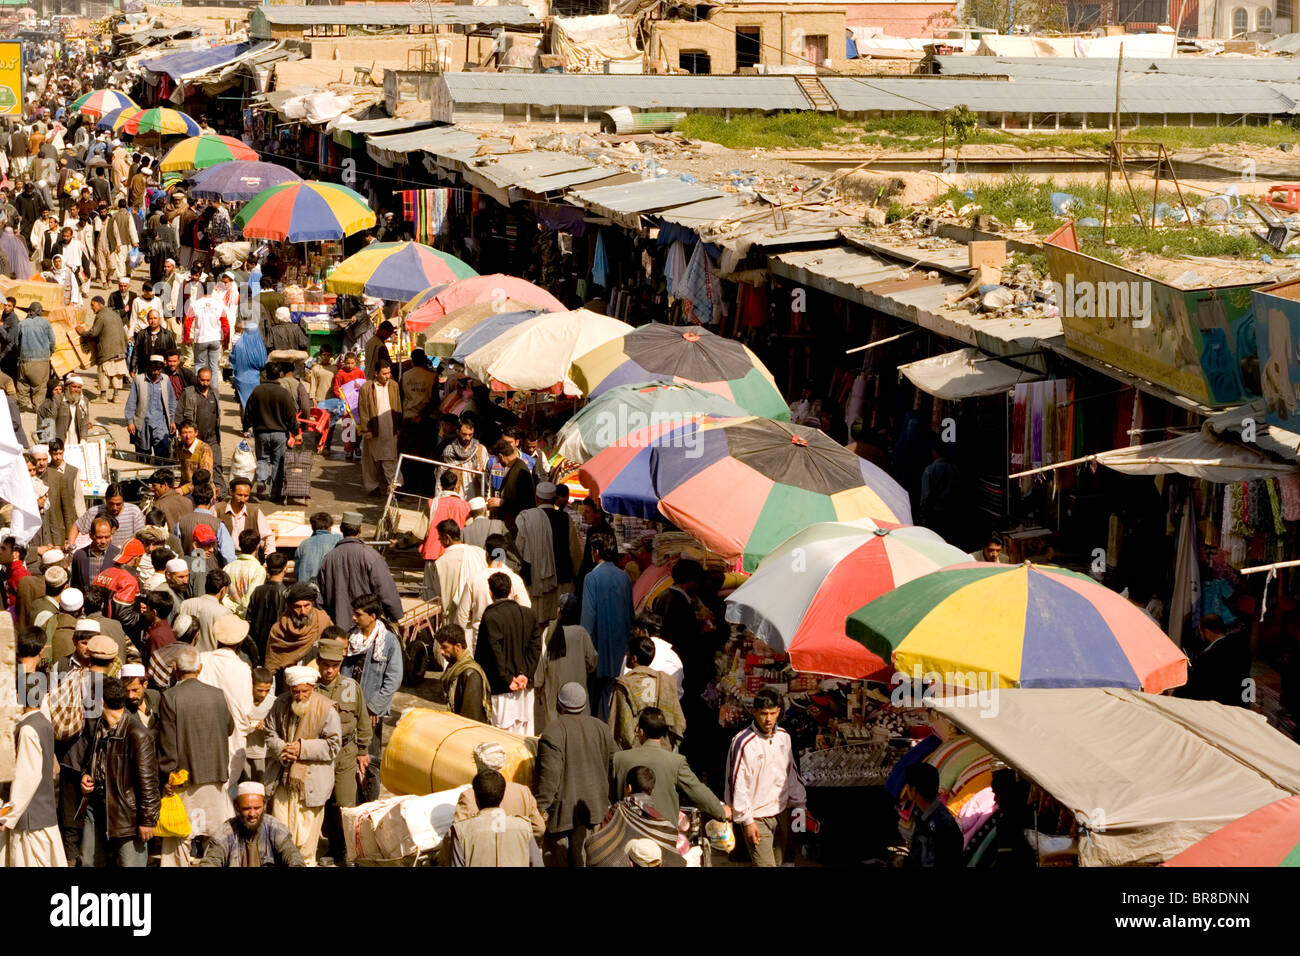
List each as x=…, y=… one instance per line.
x=240, y=180
x=161, y=121
x=800, y=595
x=209, y=149
x=98, y=102
x=684, y=354
x=742, y=486
x=484, y=331
x=1268, y=837
x=304, y=211
x=442, y=336
x=396, y=271
x=114, y=119
x=420, y=298
x=536, y=354
x=610, y=418
x=496, y=288
x=1028, y=626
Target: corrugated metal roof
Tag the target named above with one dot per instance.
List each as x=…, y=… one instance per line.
x=391, y=14
x=910, y=296
x=1140, y=93
x=378, y=127
x=429, y=140
x=646, y=196
x=541, y=185
x=1265, y=69
x=637, y=92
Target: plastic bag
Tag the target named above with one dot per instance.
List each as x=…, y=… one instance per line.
x=173, y=821
x=135, y=257
x=243, y=461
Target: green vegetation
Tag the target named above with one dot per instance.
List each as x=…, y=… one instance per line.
x=1021, y=198
x=916, y=132
x=895, y=212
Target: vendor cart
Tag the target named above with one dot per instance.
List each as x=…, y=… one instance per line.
x=416, y=631
x=416, y=478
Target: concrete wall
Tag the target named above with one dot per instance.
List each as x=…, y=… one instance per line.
x=1223, y=26
x=783, y=33
x=901, y=19
x=362, y=51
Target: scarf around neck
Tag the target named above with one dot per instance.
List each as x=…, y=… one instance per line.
x=452, y=676
x=288, y=642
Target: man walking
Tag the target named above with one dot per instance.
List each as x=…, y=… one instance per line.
x=379, y=411
x=353, y=569
x=109, y=336
x=272, y=416
x=606, y=615
x=36, y=345
x=574, y=755
x=355, y=732
x=375, y=659
x=763, y=782
x=303, y=739
x=508, y=649
x=151, y=411
x=208, y=331
x=534, y=539
x=194, y=728
x=464, y=685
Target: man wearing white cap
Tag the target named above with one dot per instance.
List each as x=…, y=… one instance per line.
x=535, y=539
x=71, y=602
x=141, y=699
x=250, y=837
x=479, y=527
x=518, y=800
x=303, y=738
x=32, y=592
x=229, y=673
x=151, y=411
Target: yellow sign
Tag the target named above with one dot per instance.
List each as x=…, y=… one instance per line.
x=11, y=78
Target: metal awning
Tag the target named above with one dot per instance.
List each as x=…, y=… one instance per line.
x=965, y=373
x=181, y=66
x=627, y=203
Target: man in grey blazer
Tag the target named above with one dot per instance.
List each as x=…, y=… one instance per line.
x=194, y=725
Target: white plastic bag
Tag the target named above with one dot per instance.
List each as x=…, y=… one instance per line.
x=243, y=461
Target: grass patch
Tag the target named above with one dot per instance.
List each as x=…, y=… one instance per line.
x=1031, y=202
x=917, y=132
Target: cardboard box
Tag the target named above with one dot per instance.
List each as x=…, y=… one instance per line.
x=987, y=252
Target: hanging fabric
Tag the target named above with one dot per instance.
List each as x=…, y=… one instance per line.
x=600, y=262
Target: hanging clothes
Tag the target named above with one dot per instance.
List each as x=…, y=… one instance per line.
x=675, y=268
x=600, y=262
x=699, y=288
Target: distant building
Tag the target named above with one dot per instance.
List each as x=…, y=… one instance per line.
x=751, y=37
x=1188, y=18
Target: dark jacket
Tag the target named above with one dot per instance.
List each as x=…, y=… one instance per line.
x=574, y=755
x=509, y=644
x=193, y=726
x=147, y=343
x=109, y=333
x=81, y=577
x=350, y=570
x=203, y=411
x=1218, y=672
x=517, y=493
x=131, y=796
x=270, y=409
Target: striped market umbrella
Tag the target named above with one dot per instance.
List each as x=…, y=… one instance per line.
x=687, y=354
x=239, y=180
x=442, y=337
x=799, y=596
x=160, y=121
x=743, y=486
x=535, y=355
x=1269, y=837
x=98, y=102
x=620, y=412
x=1024, y=625
x=114, y=119
x=496, y=288
x=304, y=211
x=209, y=149
x=484, y=331
x=396, y=271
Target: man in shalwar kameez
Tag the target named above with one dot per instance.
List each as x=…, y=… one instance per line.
x=379, y=410
x=29, y=823
x=303, y=737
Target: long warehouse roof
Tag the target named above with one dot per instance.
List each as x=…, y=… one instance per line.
x=392, y=14
x=638, y=92
x=1279, y=69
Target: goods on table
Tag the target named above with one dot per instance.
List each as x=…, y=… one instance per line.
x=399, y=827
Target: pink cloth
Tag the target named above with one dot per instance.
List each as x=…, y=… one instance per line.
x=448, y=506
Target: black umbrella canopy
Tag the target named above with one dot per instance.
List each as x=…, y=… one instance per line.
x=688, y=352
x=793, y=455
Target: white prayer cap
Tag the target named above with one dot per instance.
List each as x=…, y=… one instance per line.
x=52, y=556
x=87, y=625
x=478, y=503
x=293, y=676
x=250, y=788
x=489, y=755
x=73, y=379
x=121, y=279
x=132, y=670
x=176, y=566
x=172, y=261
x=282, y=314
x=71, y=600
x=38, y=450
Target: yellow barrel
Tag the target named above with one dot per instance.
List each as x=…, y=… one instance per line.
x=433, y=750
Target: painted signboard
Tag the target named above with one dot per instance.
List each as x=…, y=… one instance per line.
x=1277, y=314
x=11, y=78
x=1199, y=343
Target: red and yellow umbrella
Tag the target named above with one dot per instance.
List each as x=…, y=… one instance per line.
x=1268, y=837
x=160, y=121
x=98, y=102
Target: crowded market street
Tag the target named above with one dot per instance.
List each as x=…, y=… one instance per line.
x=366, y=504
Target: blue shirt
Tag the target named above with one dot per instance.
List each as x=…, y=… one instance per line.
x=155, y=416
x=607, y=615
x=35, y=339
x=311, y=552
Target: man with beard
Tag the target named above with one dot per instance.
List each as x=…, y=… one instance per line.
x=467, y=452
x=151, y=411
x=303, y=739
x=141, y=699
x=294, y=636
x=354, y=724
x=177, y=574
x=250, y=838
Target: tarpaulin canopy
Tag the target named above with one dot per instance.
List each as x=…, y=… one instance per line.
x=196, y=62
x=1198, y=455
x=964, y=373
x=1145, y=776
